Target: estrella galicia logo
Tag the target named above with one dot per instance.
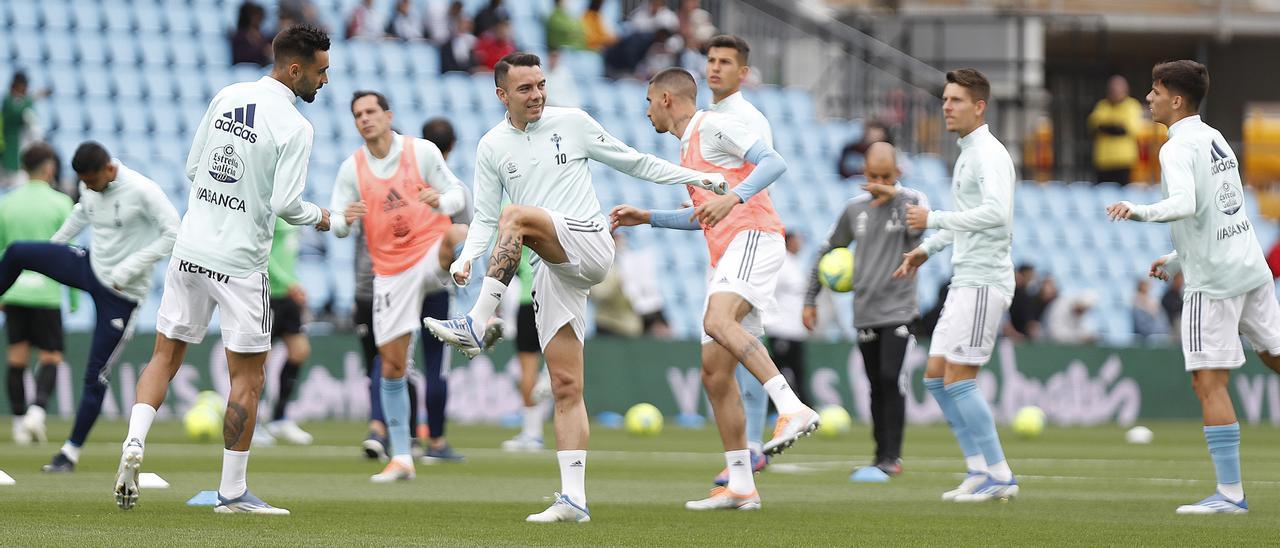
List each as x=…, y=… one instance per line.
x=1228, y=199
x=1220, y=159
x=238, y=122
x=225, y=165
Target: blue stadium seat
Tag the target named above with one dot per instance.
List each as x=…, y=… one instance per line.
x=119, y=22
x=177, y=20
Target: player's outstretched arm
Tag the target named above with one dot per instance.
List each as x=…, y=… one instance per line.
x=911, y=262
x=608, y=150
x=74, y=224
x=291, y=177
x=996, y=209
x=1178, y=169
x=445, y=192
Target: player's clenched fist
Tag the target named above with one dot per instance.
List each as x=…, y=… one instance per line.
x=461, y=271
x=917, y=217
x=323, y=225
x=355, y=210
x=430, y=196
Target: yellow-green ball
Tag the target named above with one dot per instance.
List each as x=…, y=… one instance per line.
x=202, y=423
x=643, y=419
x=212, y=400
x=835, y=421
x=835, y=270
x=1029, y=422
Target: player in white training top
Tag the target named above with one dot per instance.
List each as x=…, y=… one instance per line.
x=538, y=157
x=1228, y=288
x=981, y=285
x=247, y=165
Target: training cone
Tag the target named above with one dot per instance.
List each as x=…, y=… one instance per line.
x=869, y=474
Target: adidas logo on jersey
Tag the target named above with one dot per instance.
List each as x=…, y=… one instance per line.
x=238, y=122
x=394, y=201
x=1221, y=162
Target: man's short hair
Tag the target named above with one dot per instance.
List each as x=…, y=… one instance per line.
x=517, y=59
x=299, y=43
x=731, y=41
x=90, y=157
x=678, y=81
x=36, y=154
x=440, y=132
x=1184, y=77
x=977, y=84
x=382, y=99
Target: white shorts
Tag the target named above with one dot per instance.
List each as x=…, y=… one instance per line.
x=397, y=299
x=190, y=294
x=1211, y=328
x=749, y=268
x=560, y=290
x=966, y=331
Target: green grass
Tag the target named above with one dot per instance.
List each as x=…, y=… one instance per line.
x=1080, y=487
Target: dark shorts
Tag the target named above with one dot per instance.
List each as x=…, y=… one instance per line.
x=40, y=327
x=286, y=317
x=527, y=330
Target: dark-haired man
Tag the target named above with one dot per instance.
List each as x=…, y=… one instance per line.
x=247, y=166
x=1215, y=248
x=402, y=193
x=33, y=308
x=538, y=157
x=981, y=287
x=728, y=58
x=745, y=240
x=133, y=225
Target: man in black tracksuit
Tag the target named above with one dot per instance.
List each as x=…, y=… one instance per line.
x=883, y=307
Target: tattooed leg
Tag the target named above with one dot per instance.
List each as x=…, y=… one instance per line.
x=723, y=322
x=247, y=376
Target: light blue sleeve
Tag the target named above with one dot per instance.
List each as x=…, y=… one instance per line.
x=679, y=219
x=769, y=167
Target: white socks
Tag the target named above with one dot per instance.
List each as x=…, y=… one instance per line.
x=976, y=463
x=784, y=398
x=741, y=481
x=234, y=466
x=491, y=291
x=1233, y=491
x=532, y=421
x=72, y=452
x=1000, y=471
x=755, y=446
x=573, y=475
x=140, y=423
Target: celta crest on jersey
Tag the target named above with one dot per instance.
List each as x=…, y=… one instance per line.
x=238, y=122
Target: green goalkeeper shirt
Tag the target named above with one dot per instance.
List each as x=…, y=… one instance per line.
x=32, y=212
x=282, y=264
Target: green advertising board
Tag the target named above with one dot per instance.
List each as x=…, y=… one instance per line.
x=1075, y=385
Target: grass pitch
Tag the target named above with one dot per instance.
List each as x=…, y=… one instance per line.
x=1080, y=486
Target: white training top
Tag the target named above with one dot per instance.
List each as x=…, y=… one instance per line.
x=133, y=226
x=725, y=139
x=982, y=225
x=431, y=166
x=737, y=106
x=1214, y=244
x=546, y=166
x=248, y=164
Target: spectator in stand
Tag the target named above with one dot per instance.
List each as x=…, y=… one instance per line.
x=854, y=155
x=596, y=28
x=1023, y=323
x=1067, y=320
x=1171, y=302
x=440, y=20
x=299, y=11
x=615, y=316
x=1273, y=259
x=249, y=44
x=366, y=22
x=457, y=54
x=495, y=44
x=564, y=30
x=20, y=126
x=653, y=16
x=1148, y=318
x=562, y=82
x=1114, y=122
x=405, y=22
x=695, y=24
x=1045, y=296
x=489, y=16
x=624, y=59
